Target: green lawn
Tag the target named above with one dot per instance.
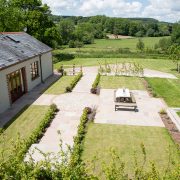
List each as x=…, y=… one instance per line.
x=59, y=86
x=169, y=89
x=114, y=44
x=126, y=140
x=24, y=124
x=114, y=82
x=178, y=113
x=156, y=64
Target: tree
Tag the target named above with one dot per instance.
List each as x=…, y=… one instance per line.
x=35, y=16
x=174, y=54
x=85, y=33
x=52, y=37
x=175, y=36
x=66, y=29
x=79, y=44
x=140, y=45
x=11, y=18
x=164, y=43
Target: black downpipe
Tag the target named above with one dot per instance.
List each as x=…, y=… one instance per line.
x=41, y=69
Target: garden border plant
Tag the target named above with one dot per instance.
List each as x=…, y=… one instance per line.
x=74, y=82
x=95, y=88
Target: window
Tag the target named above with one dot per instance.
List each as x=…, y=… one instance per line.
x=34, y=70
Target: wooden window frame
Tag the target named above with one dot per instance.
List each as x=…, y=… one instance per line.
x=34, y=70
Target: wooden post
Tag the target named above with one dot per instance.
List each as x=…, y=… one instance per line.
x=73, y=69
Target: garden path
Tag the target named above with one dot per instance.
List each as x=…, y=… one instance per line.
x=67, y=119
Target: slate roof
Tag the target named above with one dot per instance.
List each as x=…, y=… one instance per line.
x=19, y=46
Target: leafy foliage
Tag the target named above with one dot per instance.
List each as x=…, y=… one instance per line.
x=94, y=88
x=140, y=45
x=74, y=82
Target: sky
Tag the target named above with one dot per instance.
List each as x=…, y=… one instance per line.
x=163, y=10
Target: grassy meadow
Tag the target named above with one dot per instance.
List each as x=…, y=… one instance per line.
x=114, y=44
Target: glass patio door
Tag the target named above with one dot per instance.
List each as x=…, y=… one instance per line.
x=16, y=84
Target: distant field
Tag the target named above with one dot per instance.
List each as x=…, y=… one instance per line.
x=114, y=44
x=113, y=82
x=126, y=141
x=168, y=89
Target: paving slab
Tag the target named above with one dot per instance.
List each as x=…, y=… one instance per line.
x=45, y=99
x=147, y=114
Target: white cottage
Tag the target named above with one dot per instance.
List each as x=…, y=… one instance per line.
x=25, y=62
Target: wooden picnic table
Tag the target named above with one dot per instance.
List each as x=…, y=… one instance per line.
x=125, y=101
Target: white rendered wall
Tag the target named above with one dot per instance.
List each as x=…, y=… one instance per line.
x=47, y=66
x=4, y=94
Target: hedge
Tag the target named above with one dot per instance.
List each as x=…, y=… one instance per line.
x=96, y=82
x=39, y=131
x=75, y=159
x=94, y=89
x=74, y=82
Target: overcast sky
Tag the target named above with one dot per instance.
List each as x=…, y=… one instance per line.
x=163, y=10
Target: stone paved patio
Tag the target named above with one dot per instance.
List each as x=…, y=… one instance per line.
x=147, y=114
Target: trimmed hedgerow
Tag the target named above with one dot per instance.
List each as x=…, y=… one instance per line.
x=74, y=82
x=78, y=140
x=39, y=131
x=95, y=84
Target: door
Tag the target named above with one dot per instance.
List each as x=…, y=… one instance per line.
x=16, y=84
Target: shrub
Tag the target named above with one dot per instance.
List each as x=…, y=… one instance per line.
x=68, y=89
x=88, y=109
x=94, y=88
x=58, y=57
x=162, y=111
x=60, y=70
x=72, y=44
x=74, y=82
x=54, y=107
x=96, y=82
